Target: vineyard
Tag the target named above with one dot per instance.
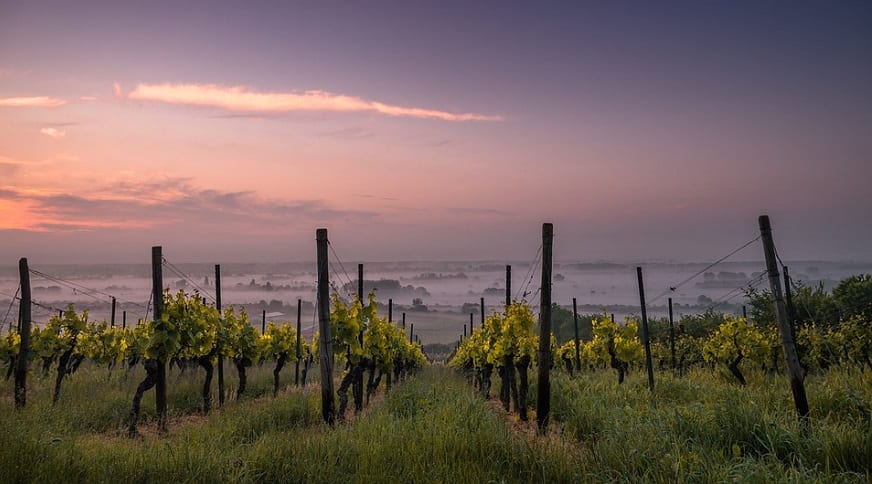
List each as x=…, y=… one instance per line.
x=711, y=397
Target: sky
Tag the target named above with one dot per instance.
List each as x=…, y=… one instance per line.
x=230, y=131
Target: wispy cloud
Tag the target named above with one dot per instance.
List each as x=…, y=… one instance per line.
x=53, y=132
x=32, y=101
x=161, y=203
x=242, y=99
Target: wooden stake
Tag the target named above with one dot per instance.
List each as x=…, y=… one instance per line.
x=793, y=367
x=645, y=334
x=543, y=389
x=221, y=317
x=325, y=344
x=299, y=343
x=112, y=318
x=508, y=286
x=482, y=312
x=671, y=336
x=160, y=391
x=390, y=310
x=24, y=317
x=575, y=323
x=124, y=319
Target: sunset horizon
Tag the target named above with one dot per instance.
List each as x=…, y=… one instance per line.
x=449, y=132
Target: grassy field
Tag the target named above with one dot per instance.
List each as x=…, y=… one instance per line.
x=433, y=428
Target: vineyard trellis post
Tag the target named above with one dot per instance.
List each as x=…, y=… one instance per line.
x=160, y=391
x=508, y=286
x=645, y=334
x=575, y=325
x=672, y=336
x=263, y=322
x=543, y=388
x=24, y=317
x=220, y=350
x=299, y=343
x=112, y=317
x=325, y=344
x=123, y=319
x=482, y=312
x=793, y=367
x=470, y=323
x=390, y=310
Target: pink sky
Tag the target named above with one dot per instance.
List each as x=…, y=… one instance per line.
x=127, y=127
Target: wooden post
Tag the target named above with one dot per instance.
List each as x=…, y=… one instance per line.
x=220, y=350
x=470, y=323
x=575, y=323
x=263, y=323
x=464, y=331
x=645, y=335
x=124, y=319
x=325, y=344
x=160, y=391
x=404, y=321
x=112, y=318
x=793, y=366
x=671, y=336
x=24, y=317
x=411, y=333
x=543, y=388
x=482, y=312
x=390, y=310
x=744, y=313
x=508, y=286
x=299, y=345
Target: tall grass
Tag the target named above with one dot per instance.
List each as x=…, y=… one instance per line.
x=434, y=428
x=706, y=428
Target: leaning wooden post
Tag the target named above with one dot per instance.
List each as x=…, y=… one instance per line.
x=543, y=387
x=160, y=391
x=671, y=336
x=112, y=318
x=24, y=317
x=508, y=286
x=325, y=344
x=645, y=335
x=793, y=367
x=575, y=323
x=219, y=348
x=299, y=345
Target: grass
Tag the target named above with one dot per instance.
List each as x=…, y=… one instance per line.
x=433, y=428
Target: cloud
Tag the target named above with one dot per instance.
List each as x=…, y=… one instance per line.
x=117, y=91
x=169, y=202
x=242, y=99
x=33, y=101
x=87, y=98
x=53, y=132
